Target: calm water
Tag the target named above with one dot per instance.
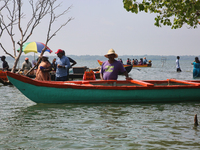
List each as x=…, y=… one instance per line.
x=26, y=125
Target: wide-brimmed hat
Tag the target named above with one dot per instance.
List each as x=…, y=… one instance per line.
x=111, y=51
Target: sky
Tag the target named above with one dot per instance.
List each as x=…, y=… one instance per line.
x=99, y=25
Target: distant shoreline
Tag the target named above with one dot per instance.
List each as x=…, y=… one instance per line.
x=124, y=57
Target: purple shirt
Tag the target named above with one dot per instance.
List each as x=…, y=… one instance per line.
x=111, y=71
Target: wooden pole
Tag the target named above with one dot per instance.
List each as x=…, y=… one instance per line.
x=195, y=120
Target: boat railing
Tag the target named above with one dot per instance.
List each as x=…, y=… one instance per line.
x=143, y=83
x=183, y=82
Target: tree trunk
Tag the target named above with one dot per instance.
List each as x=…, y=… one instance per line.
x=16, y=62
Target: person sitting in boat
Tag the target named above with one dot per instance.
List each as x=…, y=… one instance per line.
x=145, y=61
x=141, y=61
x=62, y=65
x=43, y=70
x=128, y=61
x=136, y=62
x=111, y=68
x=26, y=66
x=133, y=62
x=149, y=63
x=119, y=59
x=5, y=65
x=196, y=68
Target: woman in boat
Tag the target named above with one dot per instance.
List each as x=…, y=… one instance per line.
x=141, y=61
x=196, y=68
x=44, y=68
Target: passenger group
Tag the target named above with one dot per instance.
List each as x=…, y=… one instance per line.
x=142, y=61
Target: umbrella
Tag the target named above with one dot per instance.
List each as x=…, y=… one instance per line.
x=34, y=47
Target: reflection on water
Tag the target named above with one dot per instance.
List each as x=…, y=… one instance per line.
x=26, y=125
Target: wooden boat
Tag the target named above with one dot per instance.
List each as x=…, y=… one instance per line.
x=146, y=65
x=112, y=91
x=127, y=67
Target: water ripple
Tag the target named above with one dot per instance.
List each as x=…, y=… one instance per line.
x=25, y=125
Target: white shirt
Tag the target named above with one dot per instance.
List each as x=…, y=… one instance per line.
x=177, y=63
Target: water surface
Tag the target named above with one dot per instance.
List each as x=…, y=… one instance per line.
x=26, y=125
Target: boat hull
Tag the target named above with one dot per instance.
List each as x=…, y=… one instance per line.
x=48, y=92
x=146, y=65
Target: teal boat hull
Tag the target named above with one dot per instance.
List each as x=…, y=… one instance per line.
x=61, y=94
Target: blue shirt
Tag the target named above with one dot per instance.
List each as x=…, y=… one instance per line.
x=144, y=61
x=63, y=61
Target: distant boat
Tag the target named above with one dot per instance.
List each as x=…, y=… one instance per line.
x=127, y=67
x=110, y=91
x=145, y=65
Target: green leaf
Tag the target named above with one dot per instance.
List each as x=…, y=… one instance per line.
x=183, y=11
x=141, y=7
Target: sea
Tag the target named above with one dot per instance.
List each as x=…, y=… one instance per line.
x=27, y=125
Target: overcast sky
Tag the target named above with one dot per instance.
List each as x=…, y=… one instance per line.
x=99, y=25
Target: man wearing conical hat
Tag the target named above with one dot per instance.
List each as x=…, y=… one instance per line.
x=111, y=68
